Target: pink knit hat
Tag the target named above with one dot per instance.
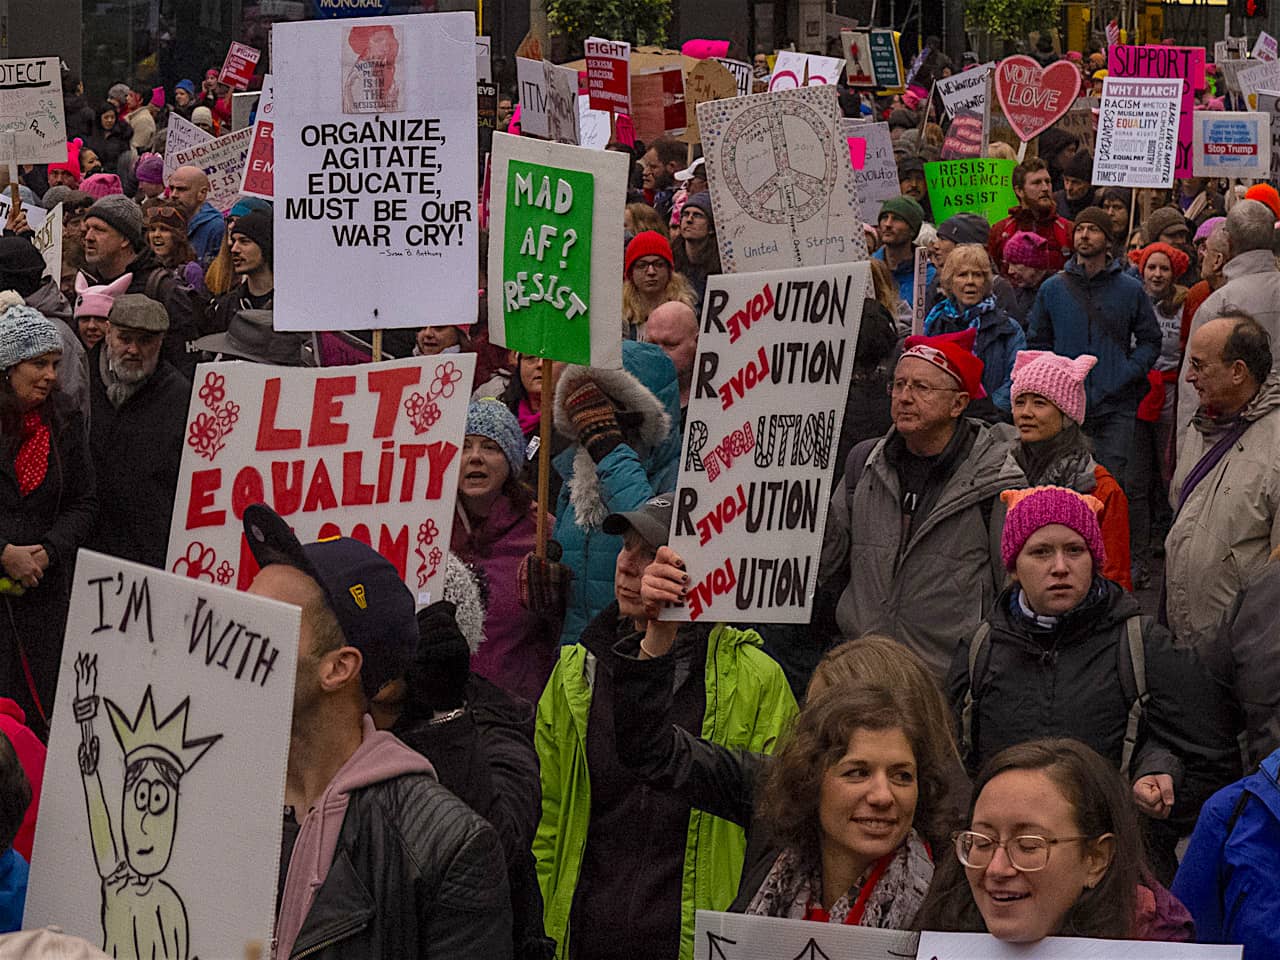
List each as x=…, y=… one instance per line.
x=102, y=185
x=95, y=301
x=1027, y=248
x=1058, y=379
x=1038, y=507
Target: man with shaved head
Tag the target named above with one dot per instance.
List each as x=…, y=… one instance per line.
x=674, y=327
x=189, y=190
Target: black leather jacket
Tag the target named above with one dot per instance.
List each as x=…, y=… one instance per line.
x=416, y=874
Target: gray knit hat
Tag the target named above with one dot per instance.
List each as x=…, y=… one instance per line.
x=25, y=333
x=121, y=214
x=489, y=417
x=118, y=91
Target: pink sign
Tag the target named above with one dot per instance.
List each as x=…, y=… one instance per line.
x=857, y=152
x=624, y=131
x=1166, y=63
x=705, y=49
x=237, y=69
x=1033, y=97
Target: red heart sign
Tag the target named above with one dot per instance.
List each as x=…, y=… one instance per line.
x=1035, y=98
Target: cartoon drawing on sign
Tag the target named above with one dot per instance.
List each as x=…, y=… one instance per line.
x=370, y=58
x=143, y=917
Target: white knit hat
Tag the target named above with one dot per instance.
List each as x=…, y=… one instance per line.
x=25, y=333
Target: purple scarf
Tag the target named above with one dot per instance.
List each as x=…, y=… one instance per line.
x=1211, y=458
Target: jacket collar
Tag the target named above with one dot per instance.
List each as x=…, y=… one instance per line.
x=1249, y=262
x=1266, y=400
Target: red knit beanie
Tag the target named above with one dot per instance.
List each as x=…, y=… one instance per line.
x=953, y=354
x=647, y=244
x=1178, y=260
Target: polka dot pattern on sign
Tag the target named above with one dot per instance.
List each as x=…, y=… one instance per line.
x=32, y=461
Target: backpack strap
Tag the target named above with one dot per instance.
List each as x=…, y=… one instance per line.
x=856, y=464
x=976, y=644
x=1138, y=661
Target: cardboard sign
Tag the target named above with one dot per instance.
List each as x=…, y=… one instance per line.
x=775, y=354
x=1162, y=63
x=876, y=178
x=886, y=61
x=782, y=188
x=741, y=74
x=369, y=453
x=982, y=946
x=222, y=161
x=48, y=240
x=1269, y=104
x=390, y=195
x=859, y=70
x=965, y=91
x=159, y=829
x=1137, y=133
x=608, y=74
x=964, y=137
x=553, y=242
x=1231, y=144
x=238, y=67
x=707, y=81
x=1082, y=121
x=1262, y=76
x=981, y=185
x=658, y=102
x=1266, y=48
x=1034, y=97
x=259, y=165
x=531, y=81
x=793, y=70
x=734, y=936
x=562, y=103
x=32, y=125
x=183, y=135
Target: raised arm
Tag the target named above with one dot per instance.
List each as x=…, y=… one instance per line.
x=106, y=853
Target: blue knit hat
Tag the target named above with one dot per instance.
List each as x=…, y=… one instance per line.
x=186, y=85
x=489, y=417
x=246, y=205
x=26, y=333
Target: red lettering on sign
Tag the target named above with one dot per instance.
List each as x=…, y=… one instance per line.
x=270, y=437
x=204, y=483
x=326, y=429
x=390, y=386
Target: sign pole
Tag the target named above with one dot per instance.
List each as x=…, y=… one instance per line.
x=544, y=456
x=13, y=171
x=377, y=345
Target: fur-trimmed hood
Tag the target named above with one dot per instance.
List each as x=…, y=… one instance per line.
x=462, y=589
x=646, y=385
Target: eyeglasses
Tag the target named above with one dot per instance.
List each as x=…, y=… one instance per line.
x=647, y=265
x=1200, y=366
x=922, y=390
x=692, y=213
x=1027, y=854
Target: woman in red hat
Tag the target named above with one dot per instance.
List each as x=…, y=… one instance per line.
x=650, y=280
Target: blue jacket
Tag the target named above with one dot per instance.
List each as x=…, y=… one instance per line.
x=1108, y=315
x=1230, y=876
x=1000, y=337
x=627, y=477
x=205, y=232
x=905, y=276
x=13, y=890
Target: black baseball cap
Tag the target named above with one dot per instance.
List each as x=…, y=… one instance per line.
x=374, y=607
x=652, y=520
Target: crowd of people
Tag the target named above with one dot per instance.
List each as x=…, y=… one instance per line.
x=993, y=722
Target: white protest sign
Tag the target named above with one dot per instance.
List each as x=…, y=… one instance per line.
x=36, y=216
x=877, y=179
x=983, y=946
x=369, y=452
x=159, y=829
x=1269, y=104
x=562, y=103
x=48, y=240
x=1262, y=76
x=258, y=179
x=222, y=161
x=775, y=354
x=735, y=936
x=1137, y=141
x=791, y=70
x=32, y=125
x=593, y=125
x=965, y=91
x=484, y=60
x=182, y=135
x=375, y=131
x=531, y=80
x=1231, y=144
x=856, y=47
x=741, y=74
x=1265, y=48
x=554, y=256
x=781, y=183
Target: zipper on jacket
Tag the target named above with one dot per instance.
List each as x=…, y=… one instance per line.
x=342, y=934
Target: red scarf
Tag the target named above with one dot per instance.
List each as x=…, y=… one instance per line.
x=32, y=462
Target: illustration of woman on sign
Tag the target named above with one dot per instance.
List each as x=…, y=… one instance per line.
x=369, y=63
x=143, y=917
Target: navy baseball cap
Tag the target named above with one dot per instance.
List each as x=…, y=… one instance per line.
x=652, y=520
x=374, y=607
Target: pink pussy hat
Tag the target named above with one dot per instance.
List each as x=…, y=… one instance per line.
x=1038, y=507
x=1058, y=379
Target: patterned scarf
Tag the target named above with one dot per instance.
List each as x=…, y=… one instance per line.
x=32, y=461
x=792, y=886
x=948, y=316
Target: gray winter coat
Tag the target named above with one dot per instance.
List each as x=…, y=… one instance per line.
x=73, y=371
x=933, y=590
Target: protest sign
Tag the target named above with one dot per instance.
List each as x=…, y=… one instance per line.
x=919, y=288
x=243, y=106
x=1081, y=121
x=1162, y=63
x=159, y=828
x=658, y=102
x=781, y=184
x=36, y=216
x=964, y=137
x=886, y=61
x=982, y=946
x=856, y=46
x=593, y=125
x=876, y=178
x=562, y=102
x=390, y=195
x=1137, y=133
x=734, y=936
x=1265, y=48
x=965, y=91
x=707, y=81
x=553, y=246
x=531, y=80
x=1229, y=74
x=222, y=161
x=608, y=74
x=978, y=185
x=1261, y=76
x=791, y=70
x=1231, y=144
x=369, y=452
x=741, y=74
x=1269, y=104
x=48, y=240
x=486, y=113
x=182, y=135
x=259, y=164
x=484, y=60
x=1034, y=97
x=238, y=67
x=775, y=354
x=32, y=125
x=624, y=131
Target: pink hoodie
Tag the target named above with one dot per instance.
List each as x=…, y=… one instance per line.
x=379, y=757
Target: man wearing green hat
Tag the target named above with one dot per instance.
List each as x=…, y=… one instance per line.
x=899, y=225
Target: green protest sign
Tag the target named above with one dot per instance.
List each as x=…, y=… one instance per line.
x=976, y=185
x=555, y=264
